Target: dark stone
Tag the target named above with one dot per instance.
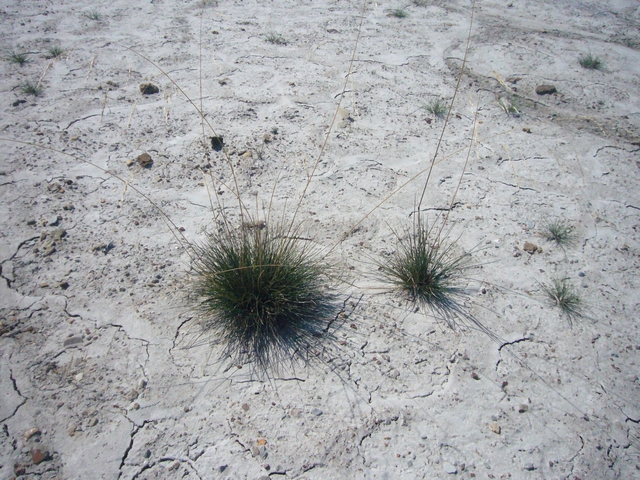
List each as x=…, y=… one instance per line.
x=18, y=102
x=73, y=342
x=148, y=89
x=104, y=247
x=545, y=89
x=217, y=143
x=144, y=160
x=19, y=469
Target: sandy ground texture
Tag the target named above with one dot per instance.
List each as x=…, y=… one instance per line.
x=104, y=372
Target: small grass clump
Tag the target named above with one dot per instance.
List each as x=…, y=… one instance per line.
x=421, y=3
x=262, y=293
x=397, y=12
x=54, y=52
x=590, y=62
x=428, y=272
x=438, y=108
x=92, y=14
x=275, y=38
x=30, y=88
x=510, y=106
x=561, y=232
x=564, y=295
x=19, y=58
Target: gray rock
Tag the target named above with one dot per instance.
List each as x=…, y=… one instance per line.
x=317, y=412
x=546, y=89
x=144, y=160
x=530, y=467
x=262, y=451
x=148, y=89
x=450, y=469
x=73, y=342
x=58, y=234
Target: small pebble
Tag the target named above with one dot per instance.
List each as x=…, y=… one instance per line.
x=523, y=408
x=495, y=428
x=73, y=342
x=148, y=89
x=38, y=456
x=530, y=467
x=31, y=432
x=144, y=160
x=450, y=469
x=317, y=412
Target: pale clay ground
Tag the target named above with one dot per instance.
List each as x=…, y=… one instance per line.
x=137, y=392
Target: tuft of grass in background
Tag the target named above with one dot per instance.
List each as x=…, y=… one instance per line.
x=590, y=62
x=397, y=12
x=262, y=292
x=30, y=88
x=427, y=271
x=93, y=14
x=510, y=106
x=275, y=38
x=564, y=295
x=438, y=108
x=561, y=232
x=54, y=52
x=19, y=58
x=421, y=3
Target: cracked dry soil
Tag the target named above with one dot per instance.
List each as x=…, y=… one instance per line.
x=103, y=371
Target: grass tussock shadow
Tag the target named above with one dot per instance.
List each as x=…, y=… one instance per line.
x=263, y=292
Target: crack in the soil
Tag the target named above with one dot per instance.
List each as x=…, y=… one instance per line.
x=17, y=390
x=505, y=344
x=134, y=432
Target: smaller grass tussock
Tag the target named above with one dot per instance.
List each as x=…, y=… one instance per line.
x=30, y=88
x=438, y=108
x=262, y=294
x=510, y=106
x=428, y=272
x=564, y=295
x=19, y=58
x=54, y=52
x=92, y=14
x=561, y=232
x=275, y=38
x=397, y=12
x=421, y=3
x=591, y=62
